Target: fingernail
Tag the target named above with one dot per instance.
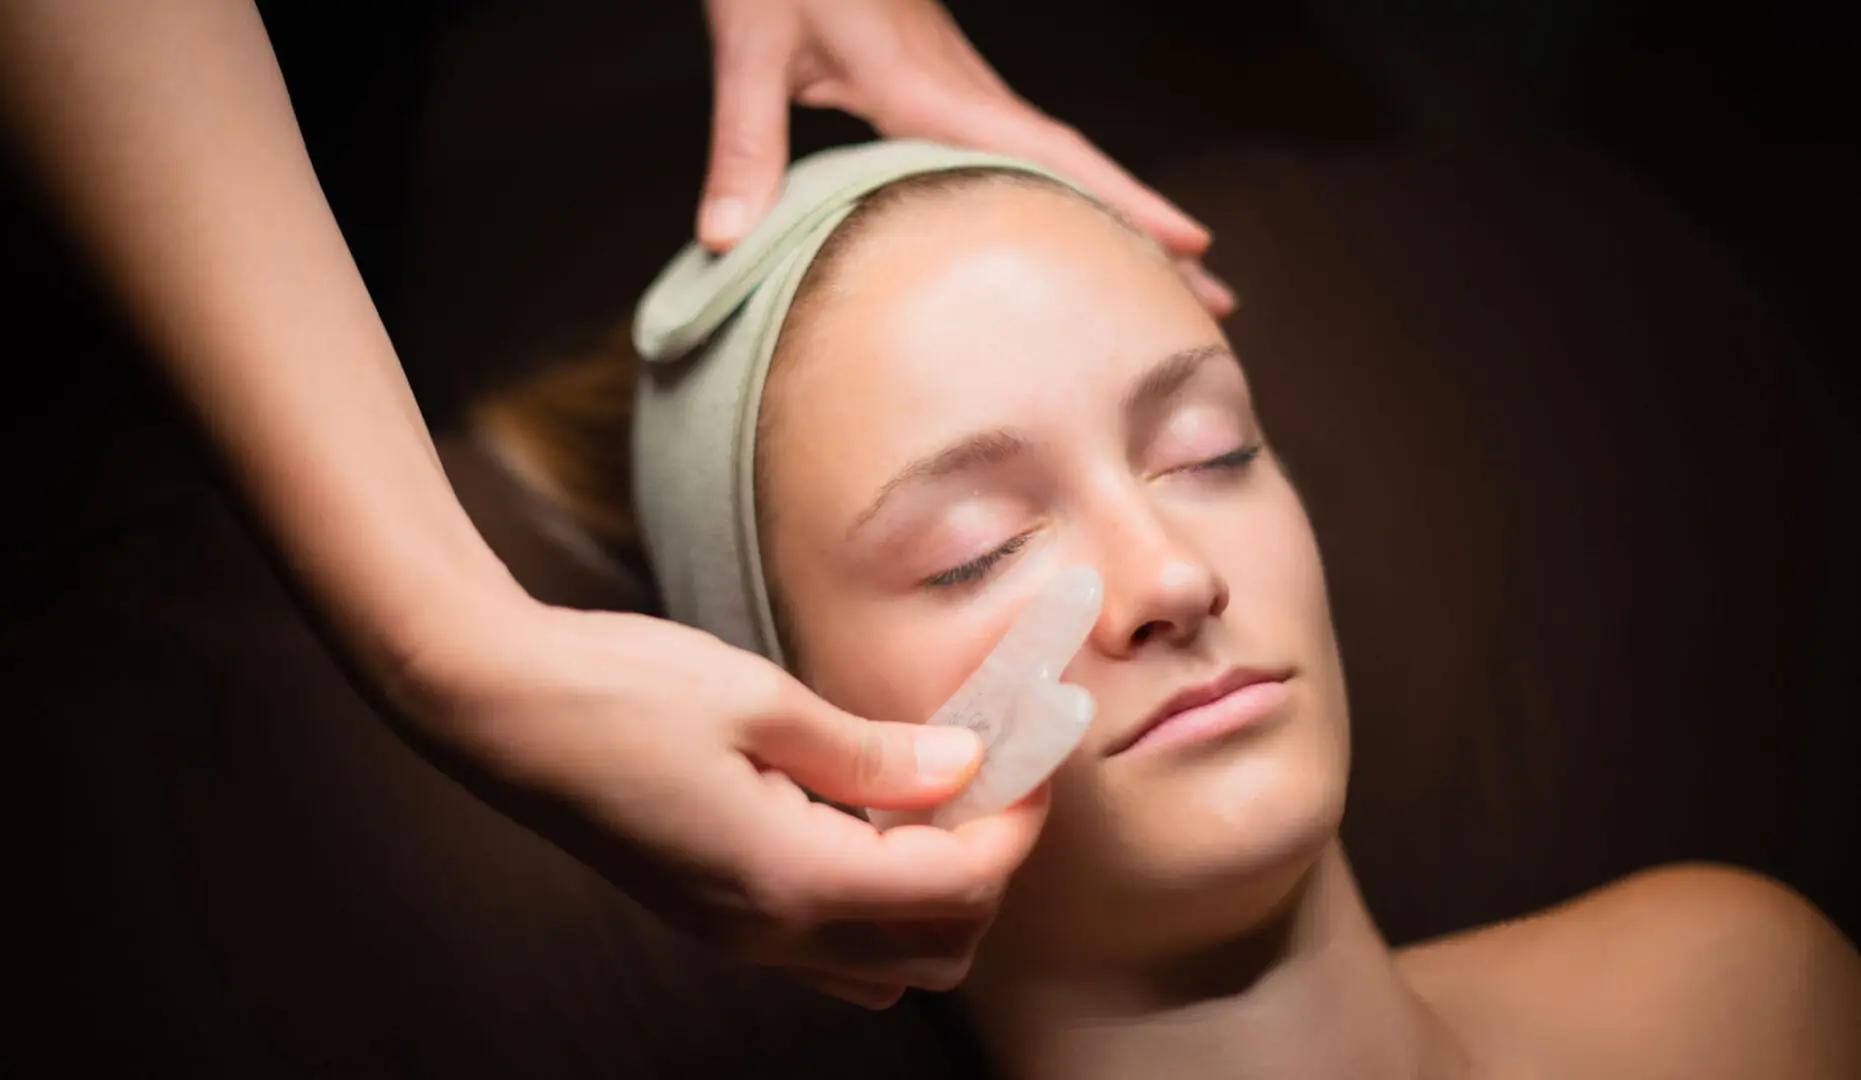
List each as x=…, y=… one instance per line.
x=724, y=220
x=1197, y=237
x=1213, y=292
x=945, y=753
x=1223, y=294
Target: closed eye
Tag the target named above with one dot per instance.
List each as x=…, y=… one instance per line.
x=978, y=568
x=1233, y=460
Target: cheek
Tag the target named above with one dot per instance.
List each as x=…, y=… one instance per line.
x=1298, y=571
x=880, y=656
x=878, y=661
x=1290, y=553
x=1269, y=557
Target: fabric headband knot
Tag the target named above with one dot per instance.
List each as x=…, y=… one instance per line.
x=706, y=330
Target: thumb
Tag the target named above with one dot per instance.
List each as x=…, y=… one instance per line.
x=749, y=136
x=866, y=763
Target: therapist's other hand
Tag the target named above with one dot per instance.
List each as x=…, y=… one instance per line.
x=689, y=758
x=904, y=67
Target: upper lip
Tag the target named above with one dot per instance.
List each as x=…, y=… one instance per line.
x=1194, y=697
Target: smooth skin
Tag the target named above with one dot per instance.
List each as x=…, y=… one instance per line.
x=996, y=382
x=163, y=131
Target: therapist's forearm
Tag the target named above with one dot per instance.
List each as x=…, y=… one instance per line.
x=164, y=129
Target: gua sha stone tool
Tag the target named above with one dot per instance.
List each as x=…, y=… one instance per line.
x=1029, y=720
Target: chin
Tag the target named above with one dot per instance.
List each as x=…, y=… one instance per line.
x=1241, y=831
x=1231, y=812
x=1206, y=849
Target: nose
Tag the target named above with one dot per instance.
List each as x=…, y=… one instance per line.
x=1158, y=588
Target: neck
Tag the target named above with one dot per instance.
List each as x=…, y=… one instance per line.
x=1314, y=994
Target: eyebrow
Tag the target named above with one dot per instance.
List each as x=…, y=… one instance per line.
x=984, y=448
x=1159, y=383
x=1169, y=375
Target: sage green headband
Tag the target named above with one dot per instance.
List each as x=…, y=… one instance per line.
x=707, y=329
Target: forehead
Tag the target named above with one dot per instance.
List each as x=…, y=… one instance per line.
x=989, y=306
x=983, y=291
x=987, y=260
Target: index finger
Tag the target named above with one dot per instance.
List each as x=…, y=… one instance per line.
x=850, y=870
x=1074, y=155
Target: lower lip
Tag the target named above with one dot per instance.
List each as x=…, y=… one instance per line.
x=1237, y=711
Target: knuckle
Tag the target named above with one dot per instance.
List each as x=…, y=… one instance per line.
x=1059, y=131
x=766, y=694
x=980, y=892
x=734, y=162
x=874, y=759
x=741, y=926
x=743, y=139
x=917, y=106
x=946, y=975
x=783, y=904
x=831, y=94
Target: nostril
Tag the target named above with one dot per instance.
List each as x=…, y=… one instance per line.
x=1144, y=632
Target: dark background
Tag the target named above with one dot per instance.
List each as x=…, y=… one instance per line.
x=1548, y=305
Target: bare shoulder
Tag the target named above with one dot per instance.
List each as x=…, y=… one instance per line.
x=1694, y=970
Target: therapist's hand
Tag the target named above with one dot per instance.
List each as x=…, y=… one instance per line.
x=689, y=757
x=904, y=67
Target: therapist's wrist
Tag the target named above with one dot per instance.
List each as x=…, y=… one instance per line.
x=428, y=643
x=506, y=681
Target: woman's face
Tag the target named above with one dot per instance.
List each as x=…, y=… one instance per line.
x=998, y=382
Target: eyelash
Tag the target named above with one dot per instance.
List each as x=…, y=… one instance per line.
x=1233, y=460
x=978, y=568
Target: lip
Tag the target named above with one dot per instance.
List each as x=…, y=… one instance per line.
x=1238, y=699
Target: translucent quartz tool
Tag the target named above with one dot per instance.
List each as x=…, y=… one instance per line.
x=1028, y=719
